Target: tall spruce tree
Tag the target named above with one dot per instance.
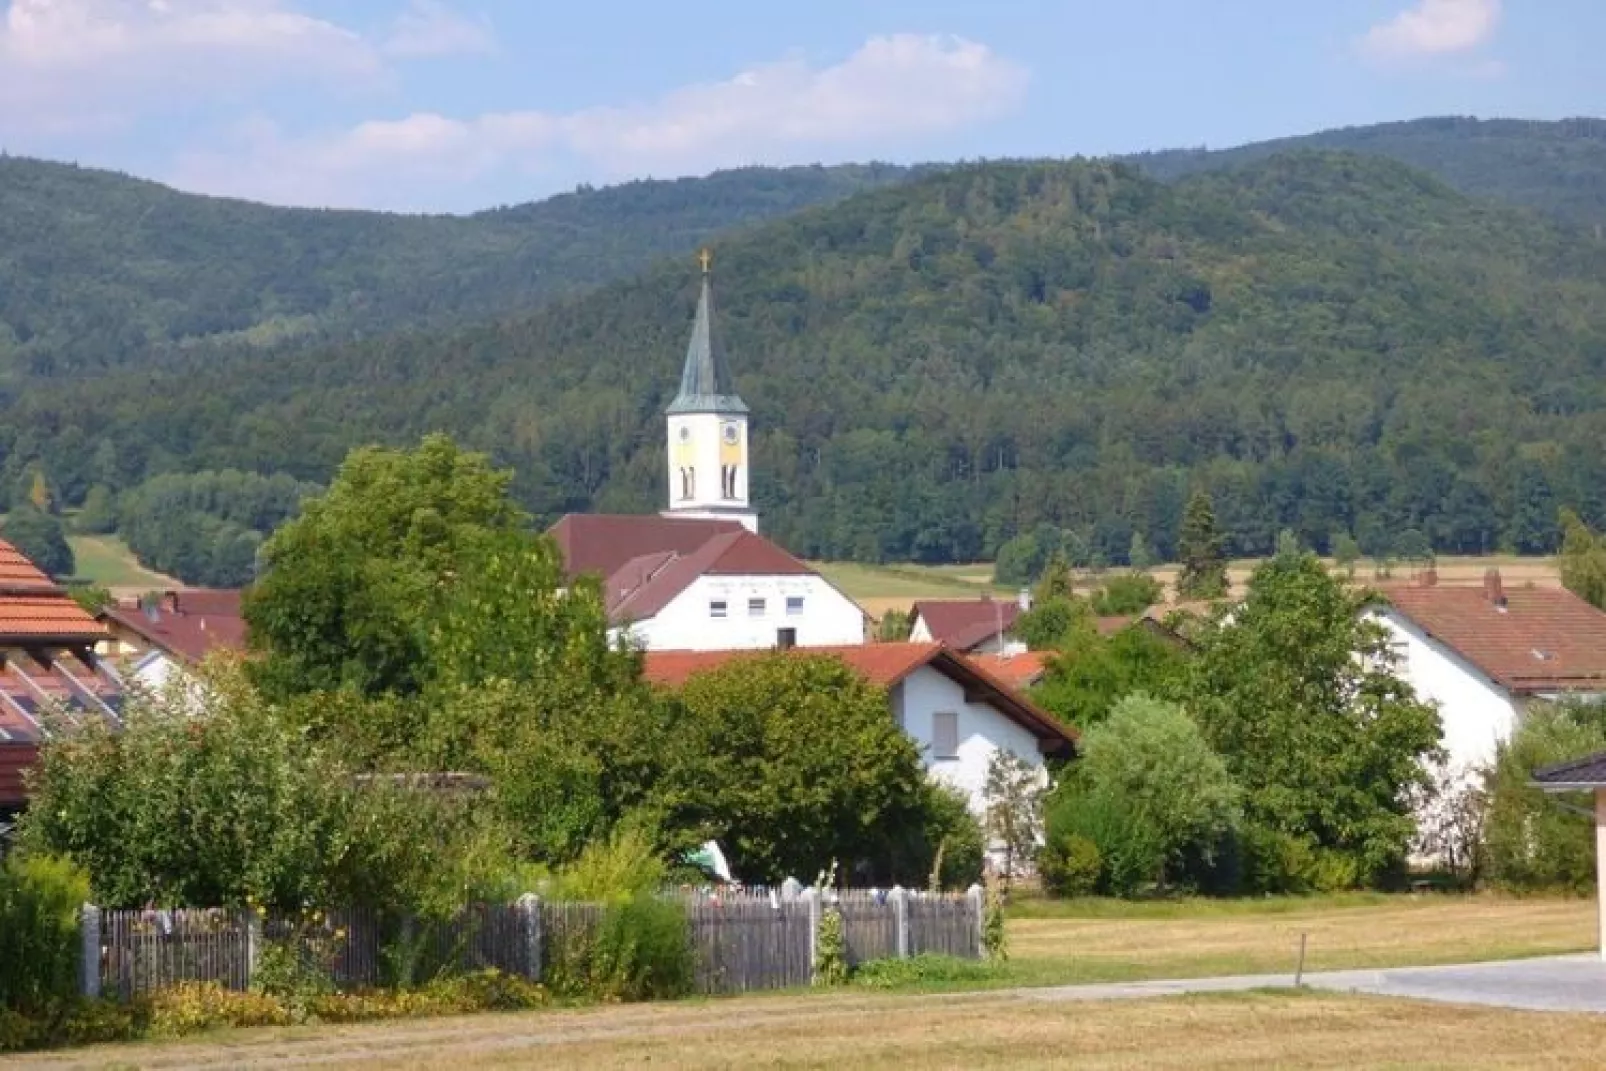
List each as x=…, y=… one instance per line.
x=1204, y=568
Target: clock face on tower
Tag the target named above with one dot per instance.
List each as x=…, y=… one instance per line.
x=732, y=434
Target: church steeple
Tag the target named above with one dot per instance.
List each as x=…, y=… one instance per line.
x=708, y=427
x=705, y=381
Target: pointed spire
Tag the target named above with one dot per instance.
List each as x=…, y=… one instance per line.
x=705, y=382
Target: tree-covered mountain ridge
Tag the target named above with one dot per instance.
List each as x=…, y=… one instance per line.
x=1555, y=167
x=1326, y=342
x=99, y=268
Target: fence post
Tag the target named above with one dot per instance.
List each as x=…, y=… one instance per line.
x=253, y=943
x=975, y=896
x=899, y=898
x=89, y=962
x=811, y=897
x=530, y=906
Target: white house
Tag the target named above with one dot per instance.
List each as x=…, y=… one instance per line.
x=675, y=583
x=1482, y=653
x=959, y=714
x=699, y=576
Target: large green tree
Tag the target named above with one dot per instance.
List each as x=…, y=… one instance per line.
x=791, y=762
x=1583, y=560
x=1296, y=689
x=1091, y=673
x=352, y=587
x=1534, y=841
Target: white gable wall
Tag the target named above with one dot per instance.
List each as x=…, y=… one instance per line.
x=983, y=730
x=1477, y=713
x=828, y=618
x=919, y=632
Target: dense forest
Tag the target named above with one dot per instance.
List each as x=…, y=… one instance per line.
x=1326, y=342
x=1558, y=168
x=99, y=269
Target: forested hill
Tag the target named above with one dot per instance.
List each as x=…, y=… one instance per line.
x=98, y=269
x=1555, y=167
x=1327, y=342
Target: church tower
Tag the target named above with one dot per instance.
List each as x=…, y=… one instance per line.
x=708, y=428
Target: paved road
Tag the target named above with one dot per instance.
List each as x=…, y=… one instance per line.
x=1552, y=983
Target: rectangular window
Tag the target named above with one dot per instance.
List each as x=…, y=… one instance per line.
x=755, y=607
x=785, y=638
x=717, y=608
x=794, y=605
x=945, y=735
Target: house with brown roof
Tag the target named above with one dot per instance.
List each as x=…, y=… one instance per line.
x=180, y=628
x=1483, y=653
x=682, y=583
x=699, y=576
x=959, y=712
x=48, y=669
x=975, y=626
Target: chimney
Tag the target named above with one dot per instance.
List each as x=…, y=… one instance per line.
x=1024, y=599
x=170, y=602
x=1493, y=589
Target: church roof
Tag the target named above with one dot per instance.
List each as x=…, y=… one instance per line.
x=705, y=383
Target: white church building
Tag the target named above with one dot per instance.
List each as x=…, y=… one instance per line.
x=699, y=577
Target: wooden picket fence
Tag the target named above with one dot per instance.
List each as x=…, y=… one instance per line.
x=742, y=942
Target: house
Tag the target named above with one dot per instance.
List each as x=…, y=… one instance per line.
x=48, y=666
x=681, y=583
x=959, y=713
x=698, y=576
x=975, y=626
x=1482, y=653
x=179, y=629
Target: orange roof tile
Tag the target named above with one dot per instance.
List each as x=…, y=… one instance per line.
x=17, y=571
x=882, y=664
x=1019, y=671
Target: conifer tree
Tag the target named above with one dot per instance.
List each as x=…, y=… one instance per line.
x=1204, y=569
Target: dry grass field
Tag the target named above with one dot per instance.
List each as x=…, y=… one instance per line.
x=1270, y=1029
x=1077, y=941
x=879, y=588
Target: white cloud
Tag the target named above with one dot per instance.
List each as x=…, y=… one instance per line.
x=1435, y=28
x=430, y=28
x=893, y=89
x=72, y=62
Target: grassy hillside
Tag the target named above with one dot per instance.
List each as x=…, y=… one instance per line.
x=101, y=268
x=1557, y=168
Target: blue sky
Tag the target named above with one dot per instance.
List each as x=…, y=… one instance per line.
x=453, y=105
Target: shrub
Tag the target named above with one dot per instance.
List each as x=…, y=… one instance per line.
x=624, y=866
x=831, y=949
x=1126, y=595
x=994, y=934
x=40, y=898
x=1531, y=842
x=924, y=969
x=1071, y=865
x=298, y=967
x=642, y=950
x=193, y=1007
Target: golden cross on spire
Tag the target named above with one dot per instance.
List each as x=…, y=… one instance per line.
x=706, y=258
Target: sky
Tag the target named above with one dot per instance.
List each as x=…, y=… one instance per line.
x=458, y=105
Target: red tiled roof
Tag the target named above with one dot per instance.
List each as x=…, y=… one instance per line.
x=202, y=622
x=965, y=623
x=32, y=608
x=1544, y=639
x=1019, y=671
x=882, y=664
x=602, y=543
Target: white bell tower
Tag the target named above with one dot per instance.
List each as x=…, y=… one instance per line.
x=708, y=446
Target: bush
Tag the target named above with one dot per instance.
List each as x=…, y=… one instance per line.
x=640, y=949
x=922, y=970
x=193, y=1007
x=40, y=898
x=1127, y=595
x=1532, y=843
x=1071, y=865
x=625, y=866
